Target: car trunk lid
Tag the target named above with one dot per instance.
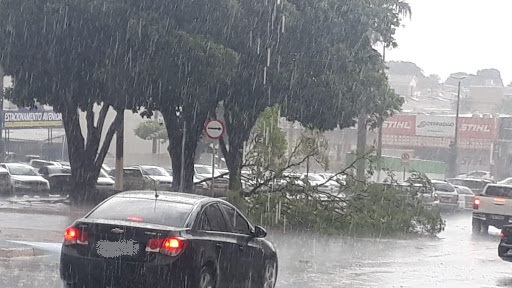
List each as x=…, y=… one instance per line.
x=121, y=240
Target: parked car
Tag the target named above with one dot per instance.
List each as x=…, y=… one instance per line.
x=26, y=179
x=38, y=163
x=203, y=172
x=422, y=191
x=477, y=175
x=160, y=177
x=323, y=187
x=5, y=182
x=476, y=185
x=133, y=179
x=333, y=178
x=105, y=182
x=446, y=194
x=174, y=240
x=59, y=178
x=466, y=197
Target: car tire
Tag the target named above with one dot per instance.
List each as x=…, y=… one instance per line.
x=476, y=226
x=484, y=227
x=206, y=278
x=269, y=274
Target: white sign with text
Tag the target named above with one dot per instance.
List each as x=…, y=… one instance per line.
x=435, y=126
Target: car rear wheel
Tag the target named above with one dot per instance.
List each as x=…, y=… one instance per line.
x=206, y=278
x=269, y=274
x=485, y=227
x=477, y=226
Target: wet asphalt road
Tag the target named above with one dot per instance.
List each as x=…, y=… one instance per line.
x=457, y=259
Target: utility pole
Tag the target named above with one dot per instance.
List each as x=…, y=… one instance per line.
x=2, y=142
x=379, y=129
x=120, y=153
x=454, y=149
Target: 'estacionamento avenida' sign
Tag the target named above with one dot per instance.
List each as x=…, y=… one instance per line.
x=27, y=119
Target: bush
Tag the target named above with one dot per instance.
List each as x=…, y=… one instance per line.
x=376, y=211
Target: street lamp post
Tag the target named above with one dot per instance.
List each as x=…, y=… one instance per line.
x=455, y=146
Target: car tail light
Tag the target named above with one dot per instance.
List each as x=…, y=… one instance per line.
x=171, y=246
x=476, y=203
x=502, y=235
x=73, y=235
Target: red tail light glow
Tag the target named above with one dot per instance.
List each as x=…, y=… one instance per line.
x=134, y=218
x=502, y=235
x=476, y=203
x=171, y=246
x=73, y=235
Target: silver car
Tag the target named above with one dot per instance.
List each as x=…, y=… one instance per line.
x=446, y=194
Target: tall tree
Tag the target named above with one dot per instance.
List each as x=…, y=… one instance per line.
x=187, y=71
x=73, y=55
x=309, y=56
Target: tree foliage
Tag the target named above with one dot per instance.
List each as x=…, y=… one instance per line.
x=73, y=55
x=151, y=130
x=313, y=58
x=268, y=142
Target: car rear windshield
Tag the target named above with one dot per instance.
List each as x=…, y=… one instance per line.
x=471, y=184
x=499, y=191
x=444, y=187
x=465, y=191
x=159, y=212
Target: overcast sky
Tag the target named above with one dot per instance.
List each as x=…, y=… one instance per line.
x=446, y=36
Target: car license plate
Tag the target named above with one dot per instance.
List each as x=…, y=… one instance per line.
x=115, y=249
x=497, y=217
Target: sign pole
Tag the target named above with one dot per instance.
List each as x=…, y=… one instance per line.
x=405, y=162
x=213, y=167
x=214, y=130
x=2, y=142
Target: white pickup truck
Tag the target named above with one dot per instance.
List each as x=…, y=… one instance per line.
x=493, y=207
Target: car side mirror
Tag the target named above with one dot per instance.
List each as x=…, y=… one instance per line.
x=259, y=232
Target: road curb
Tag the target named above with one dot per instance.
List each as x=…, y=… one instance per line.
x=17, y=252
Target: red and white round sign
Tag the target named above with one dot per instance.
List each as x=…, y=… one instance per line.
x=214, y=129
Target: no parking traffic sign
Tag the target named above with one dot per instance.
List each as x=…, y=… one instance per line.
x=405, y=159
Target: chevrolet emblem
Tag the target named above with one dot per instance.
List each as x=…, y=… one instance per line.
x=117, y=231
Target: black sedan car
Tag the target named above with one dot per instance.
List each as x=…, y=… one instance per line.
x=505, y=246
x=166, y=239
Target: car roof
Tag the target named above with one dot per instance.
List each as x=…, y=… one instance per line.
x=439, y=181
x=16, y=164
x=184, y=198
x=500, y=185
x=146, y=166
x=471, y=179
